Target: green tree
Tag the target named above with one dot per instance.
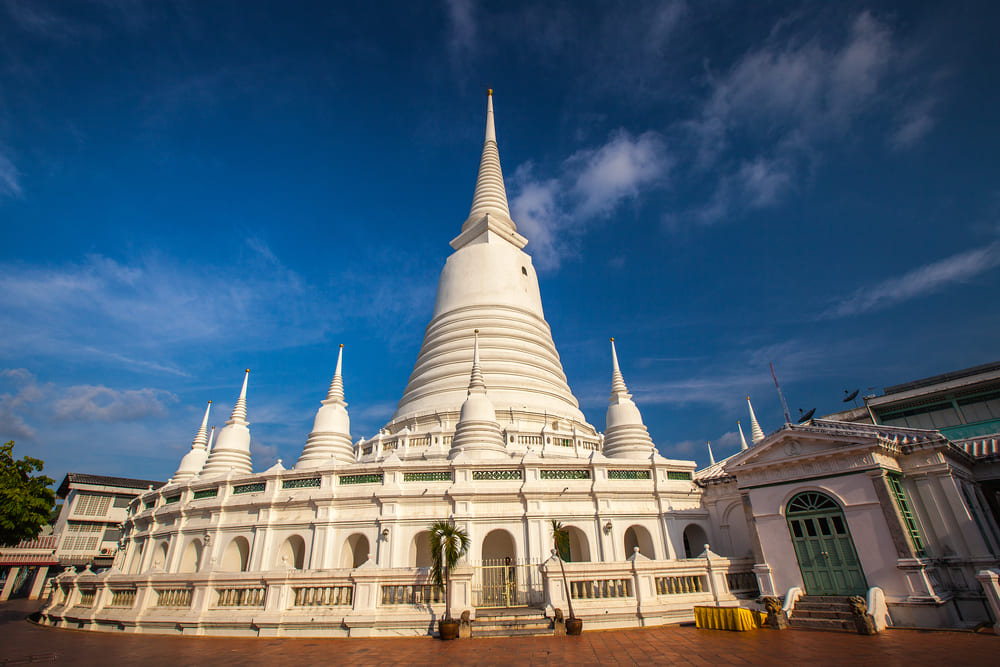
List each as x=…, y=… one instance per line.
x=25, y=499
x=560, y=540
x=448, y=544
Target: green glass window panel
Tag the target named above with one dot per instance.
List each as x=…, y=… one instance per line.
x=172, y=499
x=372, y=478
x=435, y=476
x=565, y=474
x=811, y=502
x=206, y=493
x=903, y=504
x=628, y=474
x=253, y=487
x=304, y=483
x=679, y=475
x=496, y=475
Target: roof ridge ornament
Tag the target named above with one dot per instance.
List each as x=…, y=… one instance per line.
x=756, y=433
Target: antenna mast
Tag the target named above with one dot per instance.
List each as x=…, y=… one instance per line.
x=784, y=406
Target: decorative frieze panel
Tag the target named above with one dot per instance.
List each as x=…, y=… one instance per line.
x=371, y=478
x=496, y=475
x=206, y=493
x=679, y=475
x=435, y=476
x=302, y=483
x=172, y=499
x=565, y=474
x=252, y=487
x=628, y=474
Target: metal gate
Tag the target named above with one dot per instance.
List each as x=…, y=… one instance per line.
x=504, y=582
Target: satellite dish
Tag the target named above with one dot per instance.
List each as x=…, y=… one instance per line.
x=807, y=416
x=850, y=397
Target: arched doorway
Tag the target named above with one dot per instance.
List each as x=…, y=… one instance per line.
x=355, y=553
x=420, y=550
x=237, y=555
x=191, y=557
x=292, y=554
x=823, y=546
x=694, y=541
x=638, y=536
x=497, y=574
x=579, y=546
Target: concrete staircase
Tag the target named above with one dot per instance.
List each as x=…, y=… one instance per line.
x=822, y=612
x=510, y=622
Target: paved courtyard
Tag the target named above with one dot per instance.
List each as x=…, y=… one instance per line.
x=24, y=643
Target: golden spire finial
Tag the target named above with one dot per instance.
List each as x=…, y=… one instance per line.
x=489, y=91
x=341, y=345
x=612, y=339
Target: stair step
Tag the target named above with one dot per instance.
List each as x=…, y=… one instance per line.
x=824, y=598
x=822, y=606
x=526, y=632
x=531, y=625
x=821, y=624
x=821, y=613
x=508, y=612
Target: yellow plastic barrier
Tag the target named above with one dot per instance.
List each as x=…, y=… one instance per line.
x=736, y=619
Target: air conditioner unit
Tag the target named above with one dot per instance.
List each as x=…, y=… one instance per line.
x=107, y=551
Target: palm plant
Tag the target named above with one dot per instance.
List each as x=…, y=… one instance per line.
x=560, y=540
x=448, y=544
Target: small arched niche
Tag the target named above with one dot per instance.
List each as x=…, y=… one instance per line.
x=160, y=557
x=236, y=557
x=579, y=545
x=638, y=536
x=292, y=554
x=694, y=541
x=420, y=550
x=192, y=556
x=355, y=552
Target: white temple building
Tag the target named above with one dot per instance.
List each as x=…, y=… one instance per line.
x=489, y=435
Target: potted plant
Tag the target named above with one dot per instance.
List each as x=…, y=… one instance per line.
x=560, y=540
x=448, y=544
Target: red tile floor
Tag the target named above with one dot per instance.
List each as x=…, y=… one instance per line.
x=24, y=643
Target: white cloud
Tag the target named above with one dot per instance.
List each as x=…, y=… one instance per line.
x=921, y=281
x=462, y=24
x=790, y=98
x=591, y=184
x=104, y=404
x=915, y=122
x=10, y=178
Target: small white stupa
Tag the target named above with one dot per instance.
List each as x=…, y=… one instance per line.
x=194, y=460
x=477, y=433
x=625, y=435
x=756, y=433
x=232, y=447
x=330, y=439
x=743, y=439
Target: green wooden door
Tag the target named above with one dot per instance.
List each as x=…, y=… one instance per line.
x=823, y=546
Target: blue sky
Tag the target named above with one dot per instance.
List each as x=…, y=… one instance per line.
x=190, y=189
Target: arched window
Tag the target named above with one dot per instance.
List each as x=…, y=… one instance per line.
x=420, y=550
x=638, y=536
x=694, y=541
x=356, y=551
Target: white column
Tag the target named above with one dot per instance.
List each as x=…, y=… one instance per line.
x=36, y=585
x=8, y=585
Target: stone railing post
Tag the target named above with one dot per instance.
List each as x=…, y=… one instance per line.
x=461, y=591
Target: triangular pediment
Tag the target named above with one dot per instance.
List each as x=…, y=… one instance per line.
x=796, y=443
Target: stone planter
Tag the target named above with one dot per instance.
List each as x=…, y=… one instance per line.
x=574, y=626
x=448, y=628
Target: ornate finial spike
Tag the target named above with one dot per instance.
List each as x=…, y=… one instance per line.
x=612, y=339
x=489, y=91
x=341, y=345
